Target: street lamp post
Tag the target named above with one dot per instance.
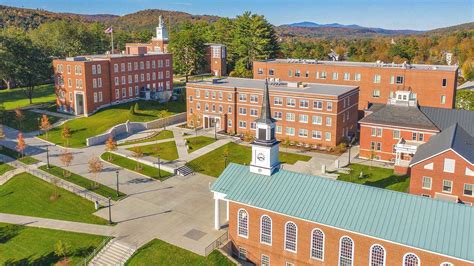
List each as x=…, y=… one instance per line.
x=349, y=159
x=225, y=161
x=47, y=156
x=117, y=172
x=215, y=128
x=159, y=166
x=110, y=212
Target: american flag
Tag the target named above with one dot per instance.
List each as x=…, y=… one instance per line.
x=109, y=30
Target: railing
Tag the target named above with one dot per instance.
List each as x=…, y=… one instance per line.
x=94, y=252
x=217, y=243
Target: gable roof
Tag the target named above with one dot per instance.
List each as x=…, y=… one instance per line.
x=444, y=118
x=454, y=137
x=433, y=225
x=397, y=115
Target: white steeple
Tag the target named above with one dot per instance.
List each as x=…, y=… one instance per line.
x=161, y=31
x=265, y=147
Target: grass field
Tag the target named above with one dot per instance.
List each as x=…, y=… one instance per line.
x=5, y=168
x=25, y=194
x=21, y=245
x=83, y=182
x=29, y=123
x=131, y=165
x=195, y=143
x=376, y=177
x=164, y=134
x=85, y=127
x=16, y=98
x=212, y=163
x=16, y=155
x=162, y=253
x=166, y=150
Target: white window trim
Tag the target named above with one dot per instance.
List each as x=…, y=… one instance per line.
x=271, y=230
x=384, y=254
x=442, y=186
x=238, y=223
x=311, y=244
x=410, y=253
x=352, y=251
x=296, y=238
x=431, y=181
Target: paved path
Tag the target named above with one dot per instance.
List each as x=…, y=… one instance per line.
x=94, y=229
x=60, y=115
x=180, y=142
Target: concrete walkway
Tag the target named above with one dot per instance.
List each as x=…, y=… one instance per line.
x=180, y=142
x=93, y=229
x=65, y=116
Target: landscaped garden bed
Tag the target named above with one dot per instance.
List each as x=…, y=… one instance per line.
x=132, y=166
x=83, y=182
x=166, y=150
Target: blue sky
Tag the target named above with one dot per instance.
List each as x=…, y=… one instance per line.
x=390, y=14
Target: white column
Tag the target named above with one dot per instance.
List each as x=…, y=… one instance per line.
x=227, y=211
x=217, y=226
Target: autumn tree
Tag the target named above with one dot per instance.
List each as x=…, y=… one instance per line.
x=21, y=145
x=66, y=158
x=137, y=153
x=95, y=168
x=110, y=145
x=19, y=117
x=66, y=134
x=45, y=125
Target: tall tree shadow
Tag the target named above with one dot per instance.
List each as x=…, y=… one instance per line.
x=8, y=232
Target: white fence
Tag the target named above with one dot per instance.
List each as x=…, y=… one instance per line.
x=134, y=127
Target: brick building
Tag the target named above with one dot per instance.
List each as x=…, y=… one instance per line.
x=85, y=84
x=443, y=168
x=279, y=217
x=216, y=62
x=310, y=114
x=431, y=85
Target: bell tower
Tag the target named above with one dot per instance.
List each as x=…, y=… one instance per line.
x=265, y=147
x=160, y=42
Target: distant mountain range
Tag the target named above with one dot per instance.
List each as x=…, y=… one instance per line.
x=148, y=19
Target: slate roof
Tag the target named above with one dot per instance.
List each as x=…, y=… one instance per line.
x=444, y=118
x=416, y=221
x=398, y=115
x=454, y=137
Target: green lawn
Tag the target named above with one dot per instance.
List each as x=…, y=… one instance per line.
x=5, y=168
x=15, y=98
x=29, y=123
x=83, y=182
x=164, y=134
x=158, y=252
x=166, y=150
x=22, y=245
x=131, y=165
x=212, y=163
x=26, y=194
x=195, y=143
x=85, y=127
x=16, y=155
x=376, y=177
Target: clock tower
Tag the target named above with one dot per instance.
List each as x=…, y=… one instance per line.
x=265, y=147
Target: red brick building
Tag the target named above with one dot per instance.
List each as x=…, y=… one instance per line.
x=85, y=84
x=310, y=114
x=279, y=217
x=431, y=85
x=216, y=62
x=443, y=168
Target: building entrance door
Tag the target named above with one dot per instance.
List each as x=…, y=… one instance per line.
x=79, y=104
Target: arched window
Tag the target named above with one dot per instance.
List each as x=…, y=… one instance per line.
x=377, y=255
x=317, y=244
x=346, y=251
x=266, y=229
x=411, y=259
x=290, y=236
x=243, y=223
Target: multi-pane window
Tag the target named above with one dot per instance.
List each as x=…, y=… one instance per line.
x=376, y=132
x=399, y=80
x=304, y=118
x=346, y=252
x=318, y=105
x=317, y=134
x=468, y=189
x=377, y=78
x=297, y=73
x=290, y=102
x=242, y=124
x=198, y=93
x=206, y=94
x=265, y=260
x=420, y=136
x=78, y=70
x=304, y=103
x=376, y=93
x=254, y=98
x=411, y=259
x=322, y=75
x=347, y=76
x=279, y=129
x=242, y=253
x=357, y=77
x=396, y=134
x=290, y=117
x=377, y=256
x=99, y=82
x=303, y=132
x=242, y=97
x=206, y=107
x=229, y=109
x=335, y=75
x=116, y=68
x=253, y=125
x=290, y=131
x=449, y=165
x=242, y=223
x=213, y=94
x=328, y=121
x=328, y=136
x=277, y=101
x=329, y=106
x=271, y=72
x=447, y=186
x=290, y=236
x=426, y=182
x=260, y=71
x=317, y=120
x=242, y=111
x=220, y=95
x=122, y=67
x=277, y=115
x=94, y=69
x=317, y=244
x=253, y=112
x=375, y=146
x=266, y=230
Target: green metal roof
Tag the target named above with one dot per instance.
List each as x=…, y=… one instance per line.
x=438, y=226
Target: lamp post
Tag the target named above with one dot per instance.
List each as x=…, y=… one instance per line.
x=47, y=156
x=117, y=172
x=349, y=158
x=159, y=166
x=225, y=161
x=110, y=212
x=215, y=128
